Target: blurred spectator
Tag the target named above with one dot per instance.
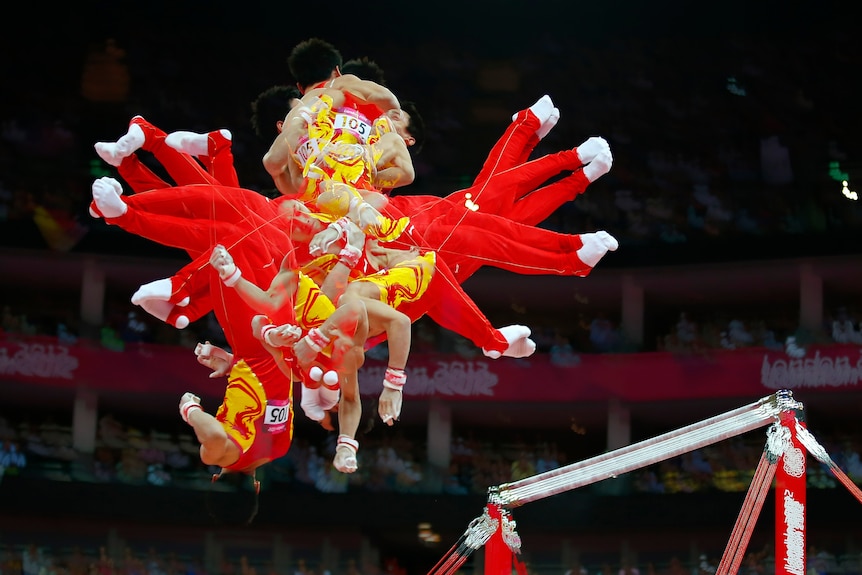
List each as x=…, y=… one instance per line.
x=752, y=564
x=33, y=560
x=351, y=568
x=135, y=330
x=154, y=564
x=330, y=480
x=792, y=348
x=12, y=460
x=131, y=469
x=821, y=562
x=548, y=458
x=65, y=336
x=105, y=76
x=111, y=432
x=675, y=567
x=686, y=331
x=10, y=561
x=104, y=564
x=646, y=481
x=604, y=335
x=177, y=565
x=850, y=461
x=16, y=323
x=408, y=476
x=704, y=566
x=523, y=466
x=628, y=568
x=111, y=339
x=461, y=449
x=452, y=484
x=775, y=162
x=77, y=562
x=738, y=334
x=7, y=432
x=391, y=566
x=157, y=474
x=562, y=353
x=694, y=463
x=844, y=330
x=576, y=569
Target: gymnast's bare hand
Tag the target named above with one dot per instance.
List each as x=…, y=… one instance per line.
x=389, y=405
x=304, y=353
x=215, y=358
x=283, y=336
x=188, y=400
x=223, y=262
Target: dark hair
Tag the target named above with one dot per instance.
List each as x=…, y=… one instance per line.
x=312, y=61
x=365, y=69
x=269, y=107
x=236, y=502
x=416, y=126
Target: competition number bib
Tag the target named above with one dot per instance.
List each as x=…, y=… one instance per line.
x=355, y=125
x=277, y=412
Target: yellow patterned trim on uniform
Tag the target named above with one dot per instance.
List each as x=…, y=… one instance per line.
x=244, y=403
x=406, y=282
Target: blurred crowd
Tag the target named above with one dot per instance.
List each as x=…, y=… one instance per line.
x=587, y=331
x=741, y=136
x=141, y=455
x=738, y=135
x=43, y=559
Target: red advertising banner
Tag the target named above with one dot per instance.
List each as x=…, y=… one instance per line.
x=654, y=376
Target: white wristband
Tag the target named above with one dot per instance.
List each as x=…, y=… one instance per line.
x=231, y=280
x=316, y=340
x=348, y=442
x=394, y=378
x=264, y=332
x=187, y=408
x=349, y=256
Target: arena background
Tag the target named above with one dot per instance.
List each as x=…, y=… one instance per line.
x=668, y=84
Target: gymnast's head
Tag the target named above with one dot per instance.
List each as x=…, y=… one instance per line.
x=301, y=224
x=233, y=500
x=364, y=68
x=408, y=123
x=269, y=109
x=313, y=61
